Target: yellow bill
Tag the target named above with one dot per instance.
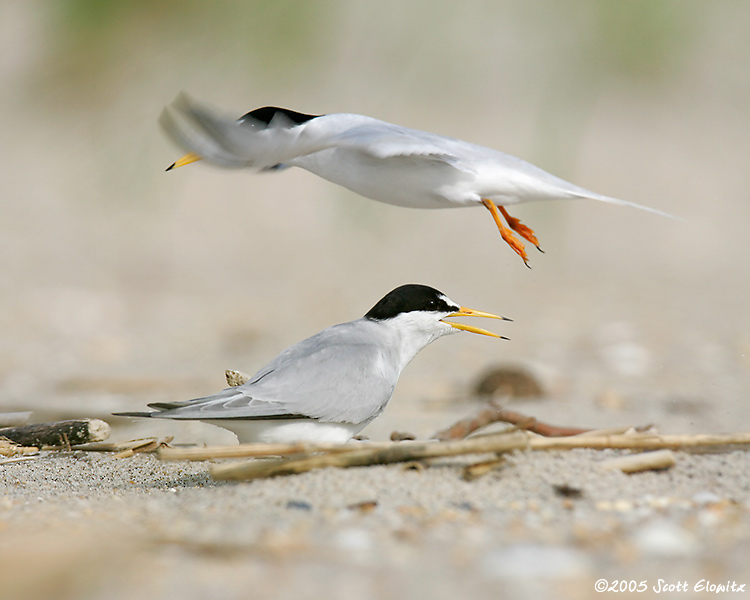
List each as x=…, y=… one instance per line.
x=185, y=160
x=470, y=312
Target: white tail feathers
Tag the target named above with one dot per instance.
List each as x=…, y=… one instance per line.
x=611, y=200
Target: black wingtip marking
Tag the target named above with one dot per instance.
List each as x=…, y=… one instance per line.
x=162, y=405
x=267, y=113
x=170, y=167
x=132, y=414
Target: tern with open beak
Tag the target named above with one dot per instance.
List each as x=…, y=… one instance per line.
x=331, y=385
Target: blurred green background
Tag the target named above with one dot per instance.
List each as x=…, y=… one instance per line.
x=122, y=284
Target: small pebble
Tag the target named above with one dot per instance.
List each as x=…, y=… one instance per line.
x=528, y=561
x=353, y=540
x=365, y=506
x=401, y=436
x=664, y=539
x=509, y=382
x=567, y=491
x=705, y=497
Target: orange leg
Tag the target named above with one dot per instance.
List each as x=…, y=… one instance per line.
x=522, y=230
x=506, y=233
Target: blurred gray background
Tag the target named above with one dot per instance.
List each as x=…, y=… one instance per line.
x=122, y=284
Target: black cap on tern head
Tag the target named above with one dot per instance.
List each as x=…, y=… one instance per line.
x=409, y=298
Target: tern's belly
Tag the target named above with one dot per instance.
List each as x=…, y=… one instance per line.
x=414, y=182
x=283, y=431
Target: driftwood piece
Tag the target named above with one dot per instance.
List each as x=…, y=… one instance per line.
x=58, y=433
x=129, y=447
x=16, y=459
x=632, y=441
x=494, y=414
x=14, y=419
x=642, y=461
x=641, y=441
x=395, y=452
x=479, y=469
x=146, y=446
x=8, y=448
x=350, y=455
x=622, y=429
x=262, y=450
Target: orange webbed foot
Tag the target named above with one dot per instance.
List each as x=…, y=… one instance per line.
x=523, y=230
x=506, y=233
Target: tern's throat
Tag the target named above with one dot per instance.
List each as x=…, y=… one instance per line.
x=413, y=331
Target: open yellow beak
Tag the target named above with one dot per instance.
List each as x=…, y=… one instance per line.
x=185, y=160
x=470, y=312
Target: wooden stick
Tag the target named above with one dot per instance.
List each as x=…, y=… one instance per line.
x=496, y=413
x=495, y=443
x=619, y=430
x=59, y=433
x=640, y=441
x=15, y=459
x=8, y=448
x=262, y=450
x=149, y=444
x=397, y=452
x=477, y=470
x=627, y=441
x=642, y=461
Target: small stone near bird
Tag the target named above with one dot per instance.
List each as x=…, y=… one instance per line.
x=509, y=381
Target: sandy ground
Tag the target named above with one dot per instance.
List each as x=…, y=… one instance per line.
x=79, y=525
x=89, y=525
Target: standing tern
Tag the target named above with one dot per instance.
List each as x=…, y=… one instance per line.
x=378, y=160
x=328, y=387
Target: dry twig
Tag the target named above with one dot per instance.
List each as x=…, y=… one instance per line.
x=641, y=461
x=641, y=441
x=394, y=452
x=349, y=455
x=16, y=459
x=130, y=447
x=479, y=469
x=8, y=448
x=263, y=450
x=495, y=413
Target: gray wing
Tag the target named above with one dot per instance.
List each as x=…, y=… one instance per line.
x=336, y=375
x=385, y=140
x=235, y=143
